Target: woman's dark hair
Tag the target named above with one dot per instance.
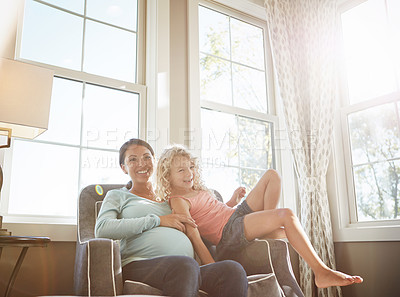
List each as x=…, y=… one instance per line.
x=130, y=142
x=126, y=145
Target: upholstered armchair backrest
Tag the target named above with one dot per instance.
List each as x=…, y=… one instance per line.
x=89, y=205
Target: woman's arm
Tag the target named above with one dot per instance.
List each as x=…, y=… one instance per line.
x=181, y=206
x=109, y=225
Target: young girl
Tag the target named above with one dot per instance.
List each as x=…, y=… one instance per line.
x=179, y=181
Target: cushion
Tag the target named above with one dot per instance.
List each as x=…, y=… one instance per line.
x=264, y=285
x=133, y=287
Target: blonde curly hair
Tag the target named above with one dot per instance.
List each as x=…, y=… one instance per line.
x=163, y=189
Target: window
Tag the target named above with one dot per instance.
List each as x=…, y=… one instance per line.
x=371, y=110
x=99, y=38
x=236, y=119
x=96, y=50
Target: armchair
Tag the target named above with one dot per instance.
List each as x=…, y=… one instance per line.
x=98, y=270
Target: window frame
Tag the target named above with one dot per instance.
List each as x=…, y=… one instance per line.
x=53, y=225
x=341, y=186
x=247, y=14
x=244, y=10
x=268, y=117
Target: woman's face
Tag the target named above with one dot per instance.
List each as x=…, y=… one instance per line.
x=138, y=163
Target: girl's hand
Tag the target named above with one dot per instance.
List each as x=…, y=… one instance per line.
x=237, y=195
x=177, y=221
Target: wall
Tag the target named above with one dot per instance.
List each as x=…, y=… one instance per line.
x=45, y=271
x=178, y=71
x=377, y=262
x=49, y=270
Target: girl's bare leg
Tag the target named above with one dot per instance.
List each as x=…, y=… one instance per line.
x=261, y=223
x=266, y=193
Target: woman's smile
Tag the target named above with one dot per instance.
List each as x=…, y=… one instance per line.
x=138, y=163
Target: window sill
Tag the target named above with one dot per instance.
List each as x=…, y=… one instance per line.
x=56, y=232
x=367, y=232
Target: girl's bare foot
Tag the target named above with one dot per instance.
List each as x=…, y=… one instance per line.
x=329, y=277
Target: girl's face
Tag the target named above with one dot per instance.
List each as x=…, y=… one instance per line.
x=181, y=173
x=138, y=163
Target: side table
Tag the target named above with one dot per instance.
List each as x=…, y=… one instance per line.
x=20, y=241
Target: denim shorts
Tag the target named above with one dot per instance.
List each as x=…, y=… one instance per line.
x=233, y=237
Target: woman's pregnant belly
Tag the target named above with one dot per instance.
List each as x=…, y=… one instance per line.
x=159, y=241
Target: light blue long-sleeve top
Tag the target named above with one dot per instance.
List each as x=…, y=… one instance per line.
x=135, y=221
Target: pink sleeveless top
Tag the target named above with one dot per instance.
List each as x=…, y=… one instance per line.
x=210, y=215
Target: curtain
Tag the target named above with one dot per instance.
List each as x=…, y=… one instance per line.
x=302, y=34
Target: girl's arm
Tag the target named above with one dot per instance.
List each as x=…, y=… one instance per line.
x=181, y=206
x=237, y=196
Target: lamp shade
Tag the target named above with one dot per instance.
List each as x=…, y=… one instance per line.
x=25, y=94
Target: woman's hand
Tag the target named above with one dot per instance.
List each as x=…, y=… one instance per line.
x=237, y=195
x=177, y=221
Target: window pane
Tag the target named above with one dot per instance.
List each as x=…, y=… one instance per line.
x=219, y=141
x=214, y=33
x=47, y=39
x=110, y=52
x=72, y=5
x=255, y=145
x=249, y=178
x=43, y=179
x=215, y=80
x=101, y=167
x=367, y=45
x=223, y=74
x=374, y=134
x=247, y=44
x=223, y=179
x=110, y=117
x=65, y=112
x=378, y=191
x=122, y=13
x=249, y=88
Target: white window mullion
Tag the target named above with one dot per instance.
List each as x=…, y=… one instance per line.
x=240, y=111
x=231, y=63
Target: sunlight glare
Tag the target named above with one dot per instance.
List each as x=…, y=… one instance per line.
x=370, y=72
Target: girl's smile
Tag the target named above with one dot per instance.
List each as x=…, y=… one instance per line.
x=181, y=174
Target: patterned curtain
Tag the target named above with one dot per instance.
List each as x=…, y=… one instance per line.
x=302, y=35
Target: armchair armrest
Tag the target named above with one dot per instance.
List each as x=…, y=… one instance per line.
x=98, y=269
x=255, y=258
x=283, y=268
x=263, y=256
